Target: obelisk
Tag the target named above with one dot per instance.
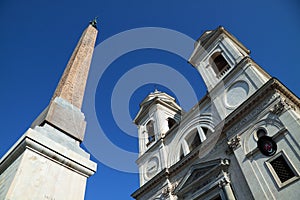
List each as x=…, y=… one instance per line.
x=47, y=162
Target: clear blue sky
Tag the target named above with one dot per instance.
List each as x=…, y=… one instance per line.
x=38, y=37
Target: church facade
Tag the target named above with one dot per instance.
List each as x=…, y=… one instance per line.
x=240, y=141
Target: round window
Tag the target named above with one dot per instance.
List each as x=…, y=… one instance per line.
x=260, y=133
x=266, y=145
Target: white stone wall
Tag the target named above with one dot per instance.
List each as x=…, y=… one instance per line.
x=284, y=129
x=37, y=167
x=39, y=177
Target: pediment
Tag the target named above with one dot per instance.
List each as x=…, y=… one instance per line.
x=201, y=174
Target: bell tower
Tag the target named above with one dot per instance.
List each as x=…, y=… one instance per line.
x=229, y=73
x=47, y=162
x=157, y=115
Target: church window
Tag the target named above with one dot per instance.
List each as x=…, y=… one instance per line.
x=260, y=133
x=282, y=170
x=219, y=64
x=150, y=131
x=193, y=140
x=265, y=144
x=171, y=122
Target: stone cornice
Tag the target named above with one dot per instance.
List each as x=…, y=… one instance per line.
x=187, y=117
x=216, y=167
x=150, y=184
x=239, y=68
x=144, y=111
x=34, y=141
x=149, y=151
x=273, y=86
x=167, y=172
x=206, y=39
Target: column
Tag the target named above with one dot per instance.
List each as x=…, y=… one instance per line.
x=224, y=183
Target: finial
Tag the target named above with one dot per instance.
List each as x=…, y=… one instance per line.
x=155, y=88
x=94, y=22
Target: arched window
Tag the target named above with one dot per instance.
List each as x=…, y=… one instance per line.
x=171, y=122
x=193, y=140
x=150, y=131
x=219, y=64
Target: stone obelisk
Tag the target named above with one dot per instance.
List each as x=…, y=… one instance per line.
x=47, y=162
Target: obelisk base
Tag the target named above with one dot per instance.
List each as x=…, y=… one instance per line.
x=64, y=116
x=38, y=167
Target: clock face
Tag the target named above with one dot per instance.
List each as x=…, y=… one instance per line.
x=152, y=167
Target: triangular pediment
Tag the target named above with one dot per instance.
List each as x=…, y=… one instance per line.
x=201, y=172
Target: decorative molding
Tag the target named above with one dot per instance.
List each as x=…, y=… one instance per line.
x=169, y=190
x=51, y=150
x=225, y=162
x=281, y=106
x=195, y=180
x=173, y=187
x=224, y=181
x=166, y=192
x=162, y=175
x=258, y=109
x=253, y=105
x=234, y=142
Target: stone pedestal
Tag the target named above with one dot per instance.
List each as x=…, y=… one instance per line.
x=38, y=167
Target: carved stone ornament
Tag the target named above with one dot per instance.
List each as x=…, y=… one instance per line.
x=281, y=106
x=225, y=161
x=170, y=189
x=255, y=111
x=224, y=181
x=234, y=142
x=173, y=186
x=165, y=192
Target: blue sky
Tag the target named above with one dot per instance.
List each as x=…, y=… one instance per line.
x=38, y=37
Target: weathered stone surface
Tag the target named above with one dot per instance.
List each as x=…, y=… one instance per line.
x=8, y=176
x=64, y=116
x=72, y=84
x=44, y=169
x=64, y=112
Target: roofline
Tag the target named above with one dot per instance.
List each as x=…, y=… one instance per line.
x=273, y=85
x=218, y=32
x=215, y=33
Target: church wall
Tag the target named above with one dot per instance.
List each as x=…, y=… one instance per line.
x=244, y=105
x=238, y=182
x=255, y=166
